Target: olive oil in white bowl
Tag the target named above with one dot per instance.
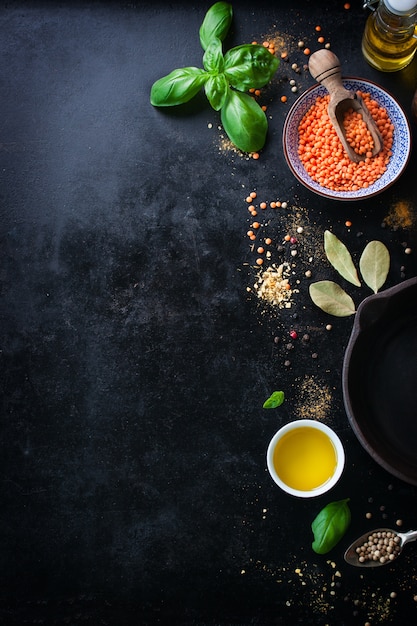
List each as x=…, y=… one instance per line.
x=305, y=458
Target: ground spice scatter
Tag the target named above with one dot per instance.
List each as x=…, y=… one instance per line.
x=314, y=399
x=400, y=215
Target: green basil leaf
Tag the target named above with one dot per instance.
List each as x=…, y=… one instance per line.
x=213, y=56
x=249, y=66
x=178, y=87
x=339, y=256
x=216, y=89
x=216, y=23
x=274, y=400
x=330, y=525
x=331, y=298
x=244, y=121
x=374, y=265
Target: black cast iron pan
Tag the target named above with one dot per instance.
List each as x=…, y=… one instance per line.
x=379, y=378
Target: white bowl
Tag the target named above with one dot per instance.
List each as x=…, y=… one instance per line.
x=400, y=148
x=302, y=460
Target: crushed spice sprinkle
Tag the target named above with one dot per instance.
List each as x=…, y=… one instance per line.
x=273, y=286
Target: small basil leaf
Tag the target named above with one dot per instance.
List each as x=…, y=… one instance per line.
x=331, y=298
x=178, y=87
x=213, y=56
x=244, y=121
x=330, y=525
x=274, y=400
x=339, y=256
x=216, y=89
x=216, y=23
x=249, y=66
x=374, y=265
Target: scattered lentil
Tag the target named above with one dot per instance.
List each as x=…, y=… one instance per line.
x=284, y=205
x=407, y=251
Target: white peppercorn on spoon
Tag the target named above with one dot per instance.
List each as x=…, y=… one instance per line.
x=353, y=557
x=325, y=68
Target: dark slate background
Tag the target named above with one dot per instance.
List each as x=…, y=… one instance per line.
x=134, y=359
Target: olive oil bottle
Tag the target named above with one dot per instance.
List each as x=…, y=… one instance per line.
x=390, y=37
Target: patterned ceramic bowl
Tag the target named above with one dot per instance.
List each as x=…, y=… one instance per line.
x=400, y=149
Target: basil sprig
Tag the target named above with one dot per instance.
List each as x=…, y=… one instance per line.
x=225, y=78
x=275, y=399
x=330, y=525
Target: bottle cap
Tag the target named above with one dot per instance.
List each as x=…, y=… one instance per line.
x=401, y=7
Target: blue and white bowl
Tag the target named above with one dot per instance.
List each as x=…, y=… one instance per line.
x=400, y=148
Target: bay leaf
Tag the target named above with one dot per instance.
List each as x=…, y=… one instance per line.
x=340, y=257
x=331, y=298
x=374, y=265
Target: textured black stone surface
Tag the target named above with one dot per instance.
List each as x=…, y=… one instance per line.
x=134, y=361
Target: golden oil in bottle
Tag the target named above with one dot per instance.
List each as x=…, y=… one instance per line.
x=389, y=40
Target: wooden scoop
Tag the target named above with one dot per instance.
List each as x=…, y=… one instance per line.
x=325, y=67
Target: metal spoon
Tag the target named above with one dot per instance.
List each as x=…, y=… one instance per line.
x=325, y=67
x=352, y=557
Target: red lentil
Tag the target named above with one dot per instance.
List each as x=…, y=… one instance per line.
x=324, y=158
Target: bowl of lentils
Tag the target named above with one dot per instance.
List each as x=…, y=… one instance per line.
x=317, y=158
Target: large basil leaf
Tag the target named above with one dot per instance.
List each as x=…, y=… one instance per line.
x=244, y=121
x=330, y=525
x=213, y=56
x=216, y=89
x=178, y=87
x=216, y=23
x=249, y=66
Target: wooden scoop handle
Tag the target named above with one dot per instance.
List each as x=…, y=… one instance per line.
x=325, y=68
